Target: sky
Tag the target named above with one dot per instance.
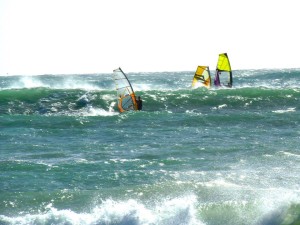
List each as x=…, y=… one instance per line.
x=97, y=36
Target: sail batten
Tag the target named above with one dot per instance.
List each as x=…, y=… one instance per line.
x=125, y=93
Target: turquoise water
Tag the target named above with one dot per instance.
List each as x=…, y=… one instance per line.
x=218, y=156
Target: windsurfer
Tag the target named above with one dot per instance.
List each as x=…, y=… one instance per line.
x=139, y=102
x=217, y=78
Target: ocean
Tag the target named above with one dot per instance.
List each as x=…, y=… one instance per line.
x=190, y=157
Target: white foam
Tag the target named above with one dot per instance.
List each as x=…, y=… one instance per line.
x=91, y=111
x=174, y=211
x=284, y=110
x=29, y=82
x=143, y=87
x=68, y=83
x=289, y=154
x=220, y=106
x=75, y=84
x=220, y=183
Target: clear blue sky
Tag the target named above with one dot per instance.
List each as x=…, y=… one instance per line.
x=97, y=36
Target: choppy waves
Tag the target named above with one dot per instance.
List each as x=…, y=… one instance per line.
x=192, y=156
x=90, y=95
x=188, y=210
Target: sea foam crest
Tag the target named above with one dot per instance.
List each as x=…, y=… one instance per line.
x=131, y=212
x=92, y=111
x=284, y=110
x=65, y=83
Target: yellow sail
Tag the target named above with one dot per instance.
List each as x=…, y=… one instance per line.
x=223, y=76
x=125, y=93
x=223, y=63
x=202, y=77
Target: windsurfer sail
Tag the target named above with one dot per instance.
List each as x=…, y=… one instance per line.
x=223, y=74
x=125, y=93
x=202, y=77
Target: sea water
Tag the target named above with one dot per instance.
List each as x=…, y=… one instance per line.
x=191, y=156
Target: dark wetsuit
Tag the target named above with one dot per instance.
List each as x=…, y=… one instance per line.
x=139, y=104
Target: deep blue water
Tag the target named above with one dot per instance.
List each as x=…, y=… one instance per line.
x=192, y=156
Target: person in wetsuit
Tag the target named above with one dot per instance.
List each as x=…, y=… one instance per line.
x=139, y=103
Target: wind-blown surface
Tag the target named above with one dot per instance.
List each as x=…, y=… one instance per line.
x=192, y=156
